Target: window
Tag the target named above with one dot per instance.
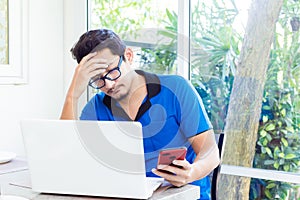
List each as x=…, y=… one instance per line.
x=142, y=25
x=194, y=39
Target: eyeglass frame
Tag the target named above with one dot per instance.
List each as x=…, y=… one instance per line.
x=105, y=76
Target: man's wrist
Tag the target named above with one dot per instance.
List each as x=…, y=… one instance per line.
x=71, y=96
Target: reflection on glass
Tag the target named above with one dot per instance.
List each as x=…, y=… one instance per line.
x=3, y=32
x=148, y=26
x=267, y=189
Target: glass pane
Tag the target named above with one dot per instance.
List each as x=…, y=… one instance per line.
x=268, y=189
x=3, y=32
x=214, y=46
x=147, y=26
x=278, y=145
x=216, y=38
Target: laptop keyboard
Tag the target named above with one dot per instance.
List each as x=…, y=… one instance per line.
x=153, y=183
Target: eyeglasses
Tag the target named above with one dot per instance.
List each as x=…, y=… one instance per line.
x=98, y=82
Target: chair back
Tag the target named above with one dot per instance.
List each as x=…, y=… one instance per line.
x=216, y=172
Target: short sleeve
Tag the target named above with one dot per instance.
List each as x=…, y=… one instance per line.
x=89, y=111
x=193, y=116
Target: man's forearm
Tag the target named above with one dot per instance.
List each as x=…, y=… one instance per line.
x=204, y=164
x=69, y=110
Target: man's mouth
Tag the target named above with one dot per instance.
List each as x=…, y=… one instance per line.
x=113, y=91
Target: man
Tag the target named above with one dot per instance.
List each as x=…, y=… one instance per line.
x=168, y=107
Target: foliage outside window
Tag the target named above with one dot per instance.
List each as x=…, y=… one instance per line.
x=140, y=22
x=279, y=132
x=215, y=48
x=278, y=140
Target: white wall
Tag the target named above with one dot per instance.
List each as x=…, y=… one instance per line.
x=43, y=96
x=75, y=24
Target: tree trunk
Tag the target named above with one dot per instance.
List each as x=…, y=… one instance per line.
x=246, y=97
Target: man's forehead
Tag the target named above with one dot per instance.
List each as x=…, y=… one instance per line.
x=107, y=59
x=112, y=60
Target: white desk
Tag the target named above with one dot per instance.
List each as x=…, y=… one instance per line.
x=10, y=185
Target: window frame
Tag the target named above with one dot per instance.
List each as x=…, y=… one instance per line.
x=15, y=72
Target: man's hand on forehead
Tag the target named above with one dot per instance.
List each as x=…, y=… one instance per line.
x=103, y=63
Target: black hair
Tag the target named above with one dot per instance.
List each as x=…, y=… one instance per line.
x=97, y=40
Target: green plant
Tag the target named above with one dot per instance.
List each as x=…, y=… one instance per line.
x=215, y=49
x=112, y=15
x=161, y=58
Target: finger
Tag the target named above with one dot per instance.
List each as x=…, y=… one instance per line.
x=98, y=61
x=182, y=163
x=162, y=173
x=93, y=70
x=97, y=67
x=168, y=169
x=177, y=183
x=88, y=57
x=161, y=166
x=97, y=72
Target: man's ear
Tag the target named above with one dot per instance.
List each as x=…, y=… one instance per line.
x=129, y=55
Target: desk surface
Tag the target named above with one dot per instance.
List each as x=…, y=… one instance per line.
x=11, y=184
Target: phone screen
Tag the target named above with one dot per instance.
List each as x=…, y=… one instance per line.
x=166, y=156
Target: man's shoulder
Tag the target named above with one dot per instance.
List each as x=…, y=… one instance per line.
x=161, y=78
x=172, y=80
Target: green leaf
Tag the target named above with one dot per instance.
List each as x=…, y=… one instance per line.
x=279, y=124
x=270, y=127
x=276, y=150
x=281, y=161
x=276, y=165
x=263, y=150
x=283, y=112
x=268, y=194
x=284, y=142
x=263, y=133
x=281, y=155
x=290, y=129
x=283, y=195
x=259, y=143
x=271, y=185
x=265, y=142
x=269, y=152
x=290, y=156
x=211, y=43
x=269, y=137
x=286, y=168
x=265, y=118
x=269, y=162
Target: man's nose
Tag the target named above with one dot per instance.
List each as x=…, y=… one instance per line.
x=109, y=84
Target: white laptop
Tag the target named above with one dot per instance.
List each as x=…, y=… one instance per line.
x=95, y=158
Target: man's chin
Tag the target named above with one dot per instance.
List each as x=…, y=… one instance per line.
x=117, y=95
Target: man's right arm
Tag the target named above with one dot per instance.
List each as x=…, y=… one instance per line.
x=69, y=110
x=88, y=67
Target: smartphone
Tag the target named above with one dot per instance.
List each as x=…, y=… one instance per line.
x=166, y=156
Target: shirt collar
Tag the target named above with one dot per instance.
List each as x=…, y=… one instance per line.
x=152, y=83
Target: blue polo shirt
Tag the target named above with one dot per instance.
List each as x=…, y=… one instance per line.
x=170, y=114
